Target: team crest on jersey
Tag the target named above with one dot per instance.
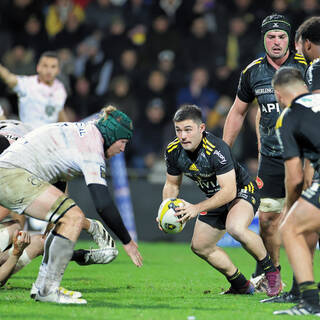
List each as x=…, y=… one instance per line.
x=259, y=182
x=193, y=167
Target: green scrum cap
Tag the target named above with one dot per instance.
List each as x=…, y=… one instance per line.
x=117, y=125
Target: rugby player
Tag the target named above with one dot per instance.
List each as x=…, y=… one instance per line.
x=255, y=83
x=232, y=199
x=41, y=97
x=297, y=129
x=11, y=224
x=308, y=37
x=57, y=152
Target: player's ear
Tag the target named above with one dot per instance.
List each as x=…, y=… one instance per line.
x=202, y=127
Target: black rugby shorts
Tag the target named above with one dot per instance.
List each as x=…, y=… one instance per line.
x=217, y=218
x=270, y=179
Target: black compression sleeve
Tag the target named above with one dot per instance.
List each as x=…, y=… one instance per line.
x=108, y=211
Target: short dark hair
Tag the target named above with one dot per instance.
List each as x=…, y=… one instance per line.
x=188, y=112
x=286, y=76
x=4, y=143
x=49, y=54
x=310, y=29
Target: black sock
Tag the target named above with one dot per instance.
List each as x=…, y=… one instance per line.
x=295, y=287
x=267, y=264
x=258, y=271
x=78, y=256
x=237, y=280
x=309, y=292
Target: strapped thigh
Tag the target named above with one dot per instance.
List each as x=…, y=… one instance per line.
x=59, y=208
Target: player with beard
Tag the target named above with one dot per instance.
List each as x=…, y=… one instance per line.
x=308, y=35
x=255, y=83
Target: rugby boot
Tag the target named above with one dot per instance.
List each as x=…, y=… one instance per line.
x=97, y=256
x=247, y=289
x=286, y=297
x=302, y=309
x=57, y=296
x=74, y=294
x=100, y=235
x=274, y=283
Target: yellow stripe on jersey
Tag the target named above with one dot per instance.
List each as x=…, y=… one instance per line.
x=252, y=64
x=209, y=143
x=280, y=119
x=252, y=186
x=300, y=58
x=175, y=141
x=172, y=148
x=208, y=146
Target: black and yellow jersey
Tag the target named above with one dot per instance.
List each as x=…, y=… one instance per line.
x=212, y=158
x=255, y=82
x=298, y=129
x=312, y=76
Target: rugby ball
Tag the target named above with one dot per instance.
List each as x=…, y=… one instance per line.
x=166, y=215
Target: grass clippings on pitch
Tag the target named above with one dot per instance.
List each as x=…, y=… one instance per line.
x=173, y=284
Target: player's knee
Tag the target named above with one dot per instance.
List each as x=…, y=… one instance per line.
x=197, y=248
x=74, y=217
x=235, y=231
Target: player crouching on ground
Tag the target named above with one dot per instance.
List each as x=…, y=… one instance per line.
x=23, y=250
x=233, y=199
x=58, y=152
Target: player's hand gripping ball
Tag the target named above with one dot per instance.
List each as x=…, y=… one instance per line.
x=166, y=216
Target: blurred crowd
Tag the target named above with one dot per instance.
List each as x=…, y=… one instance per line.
x=146, y=57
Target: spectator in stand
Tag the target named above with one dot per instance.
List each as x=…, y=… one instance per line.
x=17, y=13
x=58, y=14
x=200, y=38
x=116, y=40
x=19, y=60
x=136, y=12
x=73, y=32
x=33, y=36
x=159, y=38
x=147, y=143
x=128, y=65
x=100, y=13
x=120, y=95
x=167, y=64
x=157, y=87
x=239, y=47
x=198, y=93
x=82, y=101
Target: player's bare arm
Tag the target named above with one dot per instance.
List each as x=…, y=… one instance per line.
x=293, y=180
x=8, y=78
x=21, y=240
x=171, y=187
x=226, y=194
x=308, y=174
x=63, y=116
x=234, y=120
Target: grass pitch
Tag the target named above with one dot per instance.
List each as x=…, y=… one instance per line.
x=172, y=284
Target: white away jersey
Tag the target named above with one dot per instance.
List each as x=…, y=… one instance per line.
x=60, y=151
x=13, y=129
x=39, y=103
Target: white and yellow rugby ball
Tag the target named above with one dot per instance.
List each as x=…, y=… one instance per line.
x=166, y=215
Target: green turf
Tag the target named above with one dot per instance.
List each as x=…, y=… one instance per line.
x=172, y=284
